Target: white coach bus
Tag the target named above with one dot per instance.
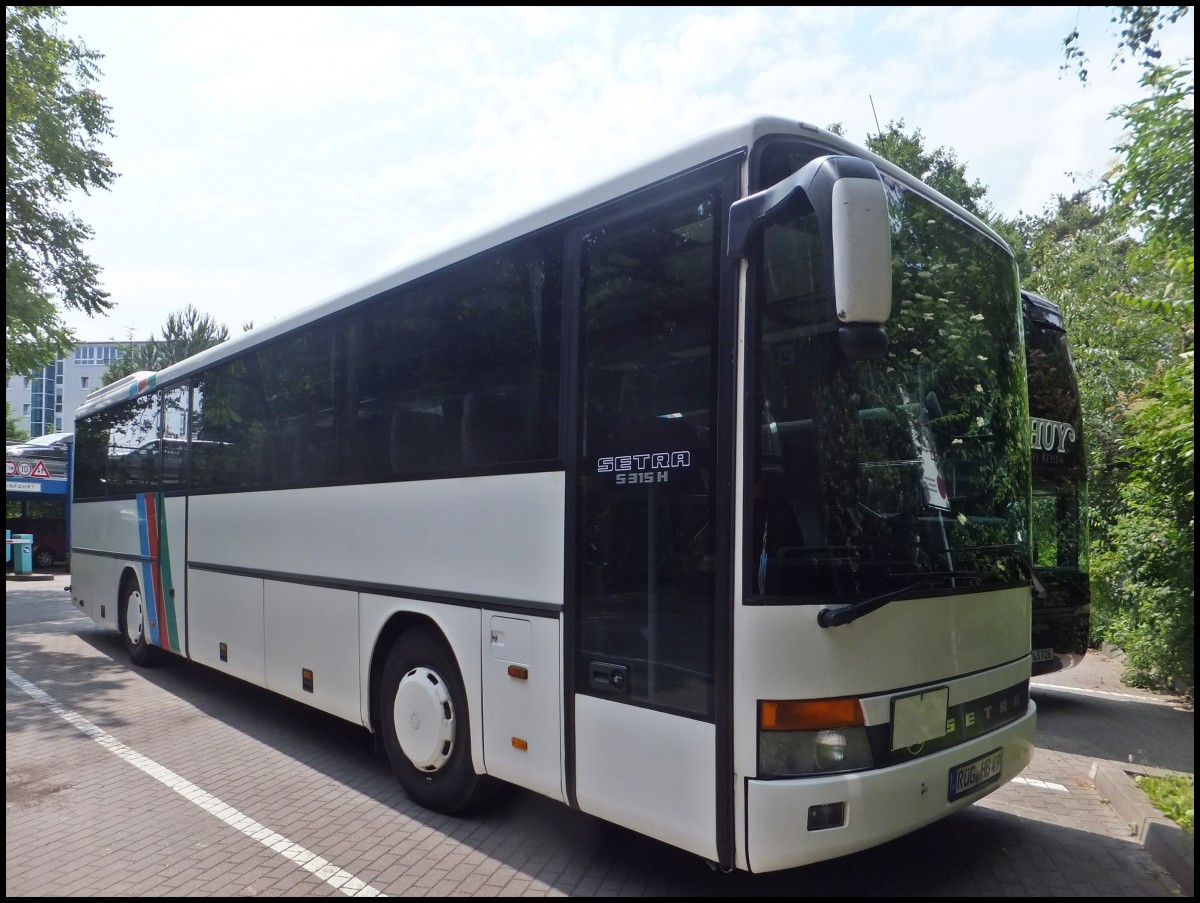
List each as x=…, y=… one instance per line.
x=698, y=501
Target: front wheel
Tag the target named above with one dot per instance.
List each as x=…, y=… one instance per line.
x=425, y=725
x=43, y=559
x=132, y=619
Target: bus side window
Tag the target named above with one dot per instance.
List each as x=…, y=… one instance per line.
x=493, y=428
x=274, y=452
x=422, y=441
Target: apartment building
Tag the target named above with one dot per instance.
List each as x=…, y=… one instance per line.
x=45, y=402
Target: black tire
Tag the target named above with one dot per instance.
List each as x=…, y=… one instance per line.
x=42, y=559
x=430, y=752
x=132, y=620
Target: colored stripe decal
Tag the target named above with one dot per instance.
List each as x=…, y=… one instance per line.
x=166, y=583
x=156, y=569
x=149, y=548
x=137, y=388
x=161, y=626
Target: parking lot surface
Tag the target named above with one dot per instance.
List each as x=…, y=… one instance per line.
x=178, y=781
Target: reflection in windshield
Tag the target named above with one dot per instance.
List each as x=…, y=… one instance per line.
x=869, y=476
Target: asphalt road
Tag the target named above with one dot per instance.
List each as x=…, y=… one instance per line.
x=178, y=781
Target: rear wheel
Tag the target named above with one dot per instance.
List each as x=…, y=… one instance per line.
x=133, y=624
x=42, y=559
x=425, y=725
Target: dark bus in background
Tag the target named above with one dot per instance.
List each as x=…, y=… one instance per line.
x=1062, y=594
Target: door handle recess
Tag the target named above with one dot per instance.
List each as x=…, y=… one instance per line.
x=606, y=676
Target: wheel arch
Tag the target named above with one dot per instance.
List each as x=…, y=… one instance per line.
x=453, y=630
x=399, y=623
x=128, y=576
x=459, y=628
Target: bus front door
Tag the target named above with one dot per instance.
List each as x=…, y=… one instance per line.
x=646, y=549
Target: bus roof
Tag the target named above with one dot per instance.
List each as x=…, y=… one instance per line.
x=725, y=139
x=126, y=387
x=1042, y=310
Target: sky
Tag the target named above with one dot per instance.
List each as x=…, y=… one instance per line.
x=272, y=157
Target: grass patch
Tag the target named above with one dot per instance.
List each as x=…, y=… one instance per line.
x=1174, y=796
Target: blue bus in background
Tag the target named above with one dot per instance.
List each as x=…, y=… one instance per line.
x=37, y=495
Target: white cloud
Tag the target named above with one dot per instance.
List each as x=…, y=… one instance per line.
x=273, y=156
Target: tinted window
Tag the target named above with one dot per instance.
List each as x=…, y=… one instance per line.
x=647, y=549
x=229, y=436
x=117, y=451
x=460, y=369
x=456, y=371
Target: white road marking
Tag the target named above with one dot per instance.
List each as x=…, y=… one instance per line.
x=323, y=869
x=1084, y=691
x=1041, y=785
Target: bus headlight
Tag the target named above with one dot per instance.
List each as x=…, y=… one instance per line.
x=829, y=748
x=801, y=737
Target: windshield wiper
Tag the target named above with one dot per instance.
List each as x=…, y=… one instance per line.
x=1039, y=588
x=847, y=614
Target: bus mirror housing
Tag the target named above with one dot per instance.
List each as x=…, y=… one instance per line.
x=848, y=198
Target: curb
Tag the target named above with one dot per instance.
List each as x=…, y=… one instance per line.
x=1169, y=844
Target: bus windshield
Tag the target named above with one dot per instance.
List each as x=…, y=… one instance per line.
x=873, y=476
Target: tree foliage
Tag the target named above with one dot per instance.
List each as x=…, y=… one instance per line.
x=1143, y=567
x=938, y=168
x=1145, y=577
x=186, y=332
x=1153, y=186
x=1144, y=580
x=12, y=424
x=1138, y=39
x=54, y=124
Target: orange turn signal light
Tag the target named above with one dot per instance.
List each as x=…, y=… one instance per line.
x=809, y=714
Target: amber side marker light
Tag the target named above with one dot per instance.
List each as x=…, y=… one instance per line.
x=809, y=714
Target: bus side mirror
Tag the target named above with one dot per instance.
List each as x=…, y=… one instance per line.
x=847, y=196
x=862, y=251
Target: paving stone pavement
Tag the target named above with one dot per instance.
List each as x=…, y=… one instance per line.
x=177, y=781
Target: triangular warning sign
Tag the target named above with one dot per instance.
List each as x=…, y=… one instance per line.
x=40, y=470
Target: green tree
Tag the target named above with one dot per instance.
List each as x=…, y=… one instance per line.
x=1153, y=186
x=12, y=428
x=54, y=124
x=1144, y=582
x=938, y=168
x=1138, y=40
x=1121, y=259
x=186, y=332
x=1145, y=578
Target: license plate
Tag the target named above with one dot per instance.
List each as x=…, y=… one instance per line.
x=970, y=776
x=1043, y=655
